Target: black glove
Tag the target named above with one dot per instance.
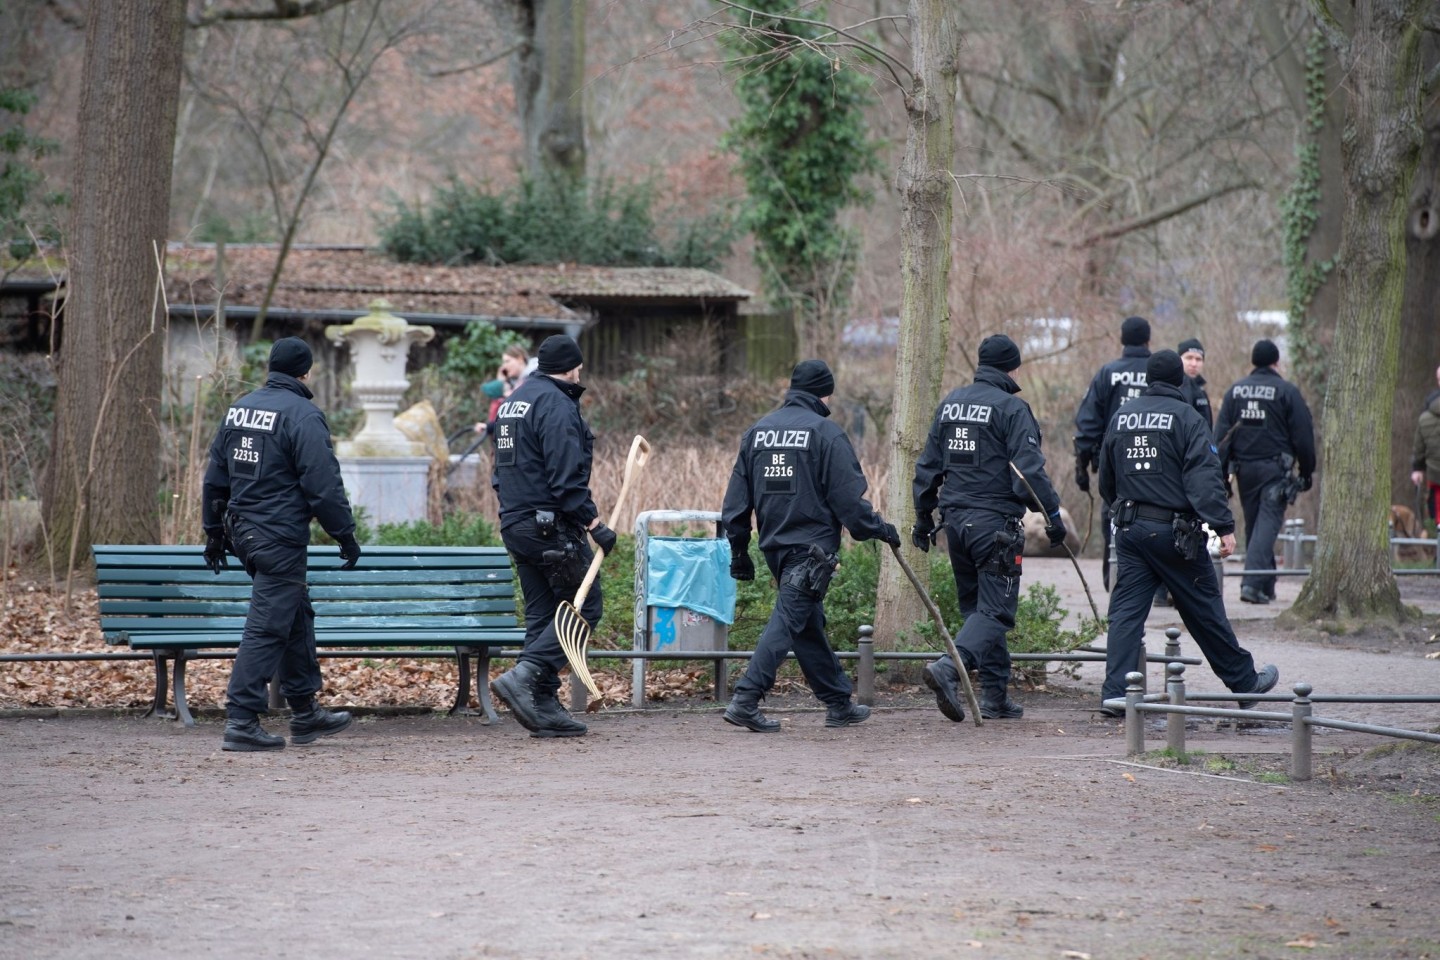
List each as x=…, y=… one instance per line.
x=923, y=533
x=888, y=534
x=215, y=553
x=1305, y=482
x=1082, y=470
x=1055, y=530
x=741, y=566
x=349, y=551
x=1229, y=488
x=604, y=537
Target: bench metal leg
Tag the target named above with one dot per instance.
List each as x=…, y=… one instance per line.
x=182, y=709
x=162, y=690
x=482, y=684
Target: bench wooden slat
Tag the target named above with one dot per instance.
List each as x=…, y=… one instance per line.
x=152, y=550
x=236, y=576
x=329, y=558
x=346, y=638
x=203, y=624
x=114, y=594
x=164, y=609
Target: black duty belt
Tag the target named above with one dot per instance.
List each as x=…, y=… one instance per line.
x=1145, y=511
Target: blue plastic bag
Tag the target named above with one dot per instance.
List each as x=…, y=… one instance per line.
x=690, y=573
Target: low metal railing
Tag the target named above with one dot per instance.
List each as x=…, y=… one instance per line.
x=1175, y=705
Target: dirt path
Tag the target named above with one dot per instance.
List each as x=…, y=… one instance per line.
x=670, y=834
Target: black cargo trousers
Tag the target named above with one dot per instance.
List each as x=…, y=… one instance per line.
x=279, y=634
x=545, y=585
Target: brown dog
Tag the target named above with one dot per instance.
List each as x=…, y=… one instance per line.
x=1404, y=525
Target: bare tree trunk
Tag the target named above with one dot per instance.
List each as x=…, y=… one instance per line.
x=1419, y=325
x=102, y=483
x=926, y=215
x=549, y=78
x=1351, y=576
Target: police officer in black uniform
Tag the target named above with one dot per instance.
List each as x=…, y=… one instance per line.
x=1117, y=383
x=798, y=475
x=965, y=469
x=1192, y=355
x=1160, y=474
x=1264, y=432
x=543, y=453
x=271, y=469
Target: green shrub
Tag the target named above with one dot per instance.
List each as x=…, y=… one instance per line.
x=600, y=222
x=849, y=605
x=459, y=529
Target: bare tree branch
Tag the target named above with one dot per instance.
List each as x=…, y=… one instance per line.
x=279, y=10
x=894, y=66
x=494, y=58
x=71, y=18
x=1162, y=214
x=1327, y=23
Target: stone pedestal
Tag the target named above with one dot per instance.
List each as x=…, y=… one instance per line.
x=384, y=471
x=379, y=344
x=390, y=489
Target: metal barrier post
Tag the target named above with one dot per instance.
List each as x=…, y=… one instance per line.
x=1175, y=722
x=1140, y=660
x=1172, y=643
x=865, y=678
x=1134, y=726
x=1301, y=709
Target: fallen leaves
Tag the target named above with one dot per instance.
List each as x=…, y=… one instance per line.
x=33, y=620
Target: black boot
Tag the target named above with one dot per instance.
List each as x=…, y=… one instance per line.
x=516, y=688
x=248, y=735
x=941, y=677
x=997, y=705
x=310, y=724
x=846, y=714
x=744, y=711
x=555, y=720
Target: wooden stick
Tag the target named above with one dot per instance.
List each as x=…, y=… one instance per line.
x=944, y=635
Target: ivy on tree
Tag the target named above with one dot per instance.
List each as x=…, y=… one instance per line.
x=802, y=147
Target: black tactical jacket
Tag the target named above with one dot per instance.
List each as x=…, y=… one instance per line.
x=798, y=475
x=978, y=431
x=1158, y=452
x=543, y=452
x=1117, y=383
x=1193, y=390
x=272, y=464
x=1262, y=417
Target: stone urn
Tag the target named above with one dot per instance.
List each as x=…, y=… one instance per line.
x=385, y=472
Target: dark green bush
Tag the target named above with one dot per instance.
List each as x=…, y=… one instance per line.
x=459, y=529
x=601, y=223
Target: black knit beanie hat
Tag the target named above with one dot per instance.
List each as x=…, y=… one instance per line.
x=559, y=354
x=292, y=356
x=813, y=377
x=1000, y=352
x=1265, y=353
x=1191, y=346
x=1135, y=332
x=1165, y=367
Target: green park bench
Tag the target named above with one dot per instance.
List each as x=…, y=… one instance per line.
x=397, y=602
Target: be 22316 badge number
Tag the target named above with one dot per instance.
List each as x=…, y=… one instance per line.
x=777, y=471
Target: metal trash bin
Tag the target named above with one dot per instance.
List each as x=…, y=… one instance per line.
x=674, y=627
